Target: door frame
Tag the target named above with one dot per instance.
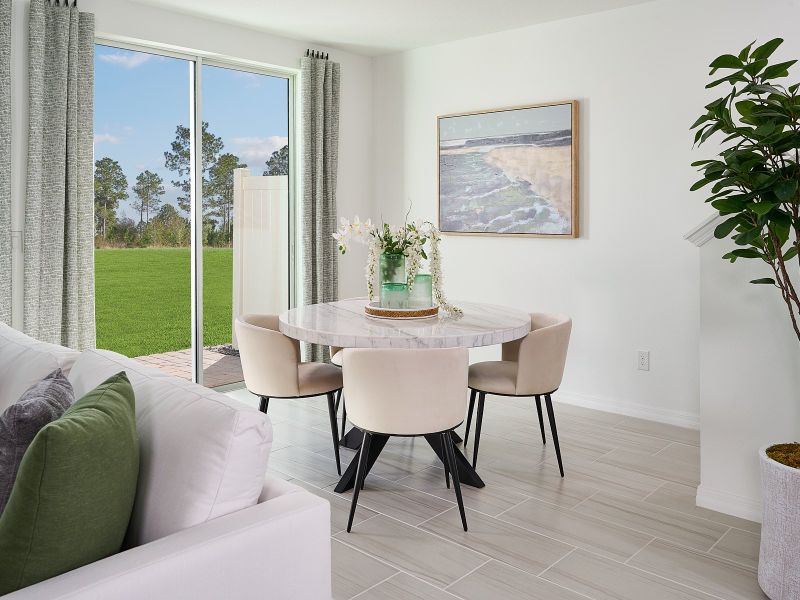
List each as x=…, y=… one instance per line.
x=197, y=60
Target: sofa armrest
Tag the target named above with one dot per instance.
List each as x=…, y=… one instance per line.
x=279, y=548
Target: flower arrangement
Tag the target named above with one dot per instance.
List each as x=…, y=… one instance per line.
x=408, y=241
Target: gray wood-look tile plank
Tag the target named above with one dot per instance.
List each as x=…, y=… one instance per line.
x=672, y=433
x=539, y=481
x=740, y=547
x=600, y=578
x=491, y=499
x=508, y=543
x=665, y=468
x=699, y=570
x=619, y=438
x=399, y=501
x=305, y=465
x=405, y=587
x=496, y=580
x=680, y=528
x=681, y=452
x=353, y=571
x=340, y=507
x=608, y=477
x=412, y=550
x=577, y=529
x=683, y=498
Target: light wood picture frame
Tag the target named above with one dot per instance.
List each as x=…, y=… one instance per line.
x=509, y=171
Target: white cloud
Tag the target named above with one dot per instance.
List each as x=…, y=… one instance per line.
x=108, y=138
x=256, y=150
x=126, y=60
x=251, y=80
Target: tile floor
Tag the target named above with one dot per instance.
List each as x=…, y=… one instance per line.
x=622, y=524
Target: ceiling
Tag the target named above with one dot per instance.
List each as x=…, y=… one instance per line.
x=375, y=27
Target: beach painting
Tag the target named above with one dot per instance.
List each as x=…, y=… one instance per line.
x=510, y=171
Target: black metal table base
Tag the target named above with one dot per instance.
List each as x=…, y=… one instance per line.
x=352, y=439
x=466, y=473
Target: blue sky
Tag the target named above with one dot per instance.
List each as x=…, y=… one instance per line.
x=140, y=98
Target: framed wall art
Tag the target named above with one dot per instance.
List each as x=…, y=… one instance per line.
x=510, y=171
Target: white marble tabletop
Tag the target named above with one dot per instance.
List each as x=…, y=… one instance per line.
x=345, y=324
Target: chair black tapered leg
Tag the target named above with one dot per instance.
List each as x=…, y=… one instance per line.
x=478, y=423
x=344, y=414
x=541, y=421
x=553, y=431
x=264, y=404
x=361, y=472
x=338, y=401
x=449, y=449
x=472, y=394
x=334, y=430
x=446, y=472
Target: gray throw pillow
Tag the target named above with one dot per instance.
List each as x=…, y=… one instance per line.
x=42, y=403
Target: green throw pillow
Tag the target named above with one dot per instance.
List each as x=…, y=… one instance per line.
x=74, y=492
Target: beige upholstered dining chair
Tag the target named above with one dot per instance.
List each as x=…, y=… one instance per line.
x=272, y=368
x=336, y=355
x=403, y=393
x=530, y=366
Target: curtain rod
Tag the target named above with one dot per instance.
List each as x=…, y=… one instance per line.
x=315, y=53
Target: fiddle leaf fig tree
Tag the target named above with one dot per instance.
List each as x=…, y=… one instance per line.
x=754, y=182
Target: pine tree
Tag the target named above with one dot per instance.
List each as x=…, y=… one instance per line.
x=278, y=162
x=110, y=186
x=219, y=192
x=178, y=160
x=148, y=189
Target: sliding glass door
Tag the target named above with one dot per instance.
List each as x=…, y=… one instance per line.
x=191, y=228
x=245, y=228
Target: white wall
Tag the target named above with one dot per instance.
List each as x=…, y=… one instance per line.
x=138, y=23
x=749, y=380
x=630, y=282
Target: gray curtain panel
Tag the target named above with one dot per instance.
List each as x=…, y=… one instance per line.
x=5, y=161
x=59, y=208
x=320, y=115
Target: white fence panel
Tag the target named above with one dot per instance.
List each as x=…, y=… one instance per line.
x=260, y=244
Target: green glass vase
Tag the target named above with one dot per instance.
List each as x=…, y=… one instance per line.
x=392, y=268
x=421, y=295
x=394, y=295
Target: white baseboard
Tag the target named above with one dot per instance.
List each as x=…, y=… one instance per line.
x=728, y=503
x=630, y=409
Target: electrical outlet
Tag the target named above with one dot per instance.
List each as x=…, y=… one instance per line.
x=643, y=364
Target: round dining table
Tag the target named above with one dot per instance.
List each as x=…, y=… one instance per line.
x=345, y=324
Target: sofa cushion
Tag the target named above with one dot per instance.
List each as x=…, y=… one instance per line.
x=25, y=361
x=203, y=454
x=42, y=403
x=74, y=493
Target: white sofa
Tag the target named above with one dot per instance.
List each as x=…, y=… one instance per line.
x=207, y=522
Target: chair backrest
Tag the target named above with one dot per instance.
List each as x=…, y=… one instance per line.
x=405, y=392
x=269, y=359
x=540, y=355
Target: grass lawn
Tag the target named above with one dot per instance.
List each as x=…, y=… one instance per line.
x=142, y=298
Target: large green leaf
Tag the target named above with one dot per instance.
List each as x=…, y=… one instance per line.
x=761, y=208
x=765, y=50
x=778, y=70
x=726, y=61
x=725, y=228
x=764, y=281
x=785, y=190
x=741, y=253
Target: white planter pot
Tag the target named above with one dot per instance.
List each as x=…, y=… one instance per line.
x=779, y=559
